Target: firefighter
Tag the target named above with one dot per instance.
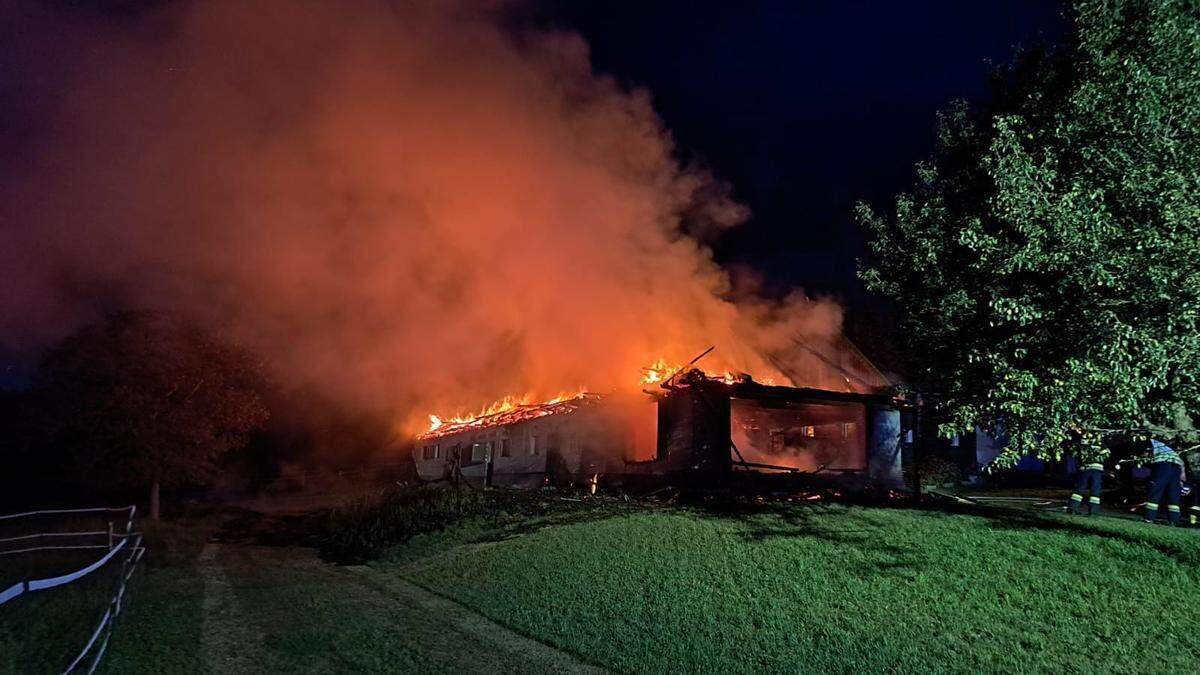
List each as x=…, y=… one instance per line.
x=1191, y=488
x=1166, y=482
x=1090, y=457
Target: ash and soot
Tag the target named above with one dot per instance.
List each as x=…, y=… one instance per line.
x=416, y=207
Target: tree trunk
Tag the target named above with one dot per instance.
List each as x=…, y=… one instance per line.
x=154, y=486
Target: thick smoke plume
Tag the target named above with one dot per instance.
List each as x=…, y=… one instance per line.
x=414, y=208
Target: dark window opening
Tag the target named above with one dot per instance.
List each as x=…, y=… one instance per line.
x=808, y=436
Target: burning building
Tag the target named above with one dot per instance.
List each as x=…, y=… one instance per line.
x=688, y=427
x=711, y=428
x=570, y=439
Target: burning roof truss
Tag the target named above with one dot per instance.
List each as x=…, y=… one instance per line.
x=512, y=415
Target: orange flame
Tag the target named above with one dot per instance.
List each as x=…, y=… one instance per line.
x=509, y=404
x=660, y=371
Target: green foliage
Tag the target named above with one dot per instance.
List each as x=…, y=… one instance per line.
x=839, y=589
x=1047, y=262
x=147, y=397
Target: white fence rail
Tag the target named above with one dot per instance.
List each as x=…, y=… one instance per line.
x=123, y=547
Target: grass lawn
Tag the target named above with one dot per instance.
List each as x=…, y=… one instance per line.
x=43, y=631
x=318, y=618
x=159, y=628
x=306, y=616
x=833, y=588
x=654, y=588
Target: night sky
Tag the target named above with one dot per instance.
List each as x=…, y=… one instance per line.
x=804, y=107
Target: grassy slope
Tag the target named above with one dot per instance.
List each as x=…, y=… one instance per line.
x=838, y=588
x=310, y=618
x=42, y=631
x=316, y=618
x=159, y=628
x=309, y=624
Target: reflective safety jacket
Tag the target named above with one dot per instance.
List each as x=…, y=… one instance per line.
x=1091, y=452
x=1161, y=452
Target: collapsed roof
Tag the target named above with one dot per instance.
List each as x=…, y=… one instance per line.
x=831, y=363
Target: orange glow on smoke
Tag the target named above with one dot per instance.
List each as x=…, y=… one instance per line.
x=441, y=212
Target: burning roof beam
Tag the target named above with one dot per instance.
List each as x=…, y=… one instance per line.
x=516, y=413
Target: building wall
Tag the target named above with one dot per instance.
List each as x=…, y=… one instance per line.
x=568, y=447
x=693, y=433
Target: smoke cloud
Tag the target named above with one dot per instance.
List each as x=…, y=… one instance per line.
x=408, y=205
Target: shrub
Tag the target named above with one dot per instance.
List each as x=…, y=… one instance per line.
x=362, y=529
x=938, y=471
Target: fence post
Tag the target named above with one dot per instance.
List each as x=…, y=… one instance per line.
x=110, y=534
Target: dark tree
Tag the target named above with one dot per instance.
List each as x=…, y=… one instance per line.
x=1046, y=265
x=149, y=400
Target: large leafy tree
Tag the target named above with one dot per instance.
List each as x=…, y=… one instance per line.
x=1046, y=264
x=148, y=399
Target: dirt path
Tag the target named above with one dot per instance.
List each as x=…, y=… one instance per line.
x=229, y=641
x=258, y=599
x=471, y=642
